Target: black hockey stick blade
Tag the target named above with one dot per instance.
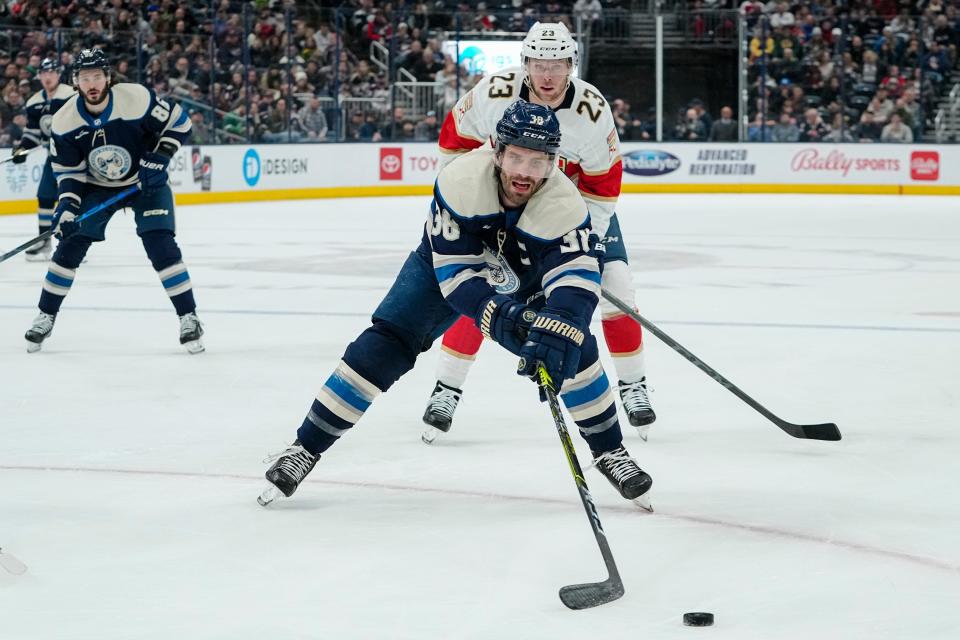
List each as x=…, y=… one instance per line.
x=825, y=431
x=591, y=594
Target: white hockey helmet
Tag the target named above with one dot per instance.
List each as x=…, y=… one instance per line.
x=549, y=41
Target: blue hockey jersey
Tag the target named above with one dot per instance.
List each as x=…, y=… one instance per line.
x=104, y=149
x=40, y=109
x=478, y=249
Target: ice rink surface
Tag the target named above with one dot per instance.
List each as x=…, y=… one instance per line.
x=130, y=469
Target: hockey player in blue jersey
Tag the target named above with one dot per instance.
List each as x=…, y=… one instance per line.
x=507, y=244
x=40, y=109
x=104, y=140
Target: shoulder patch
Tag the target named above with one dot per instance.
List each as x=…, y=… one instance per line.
x=67, y=118
x=467, y=186
x=130, y=101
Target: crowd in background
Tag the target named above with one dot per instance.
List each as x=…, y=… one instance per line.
x=272, y=71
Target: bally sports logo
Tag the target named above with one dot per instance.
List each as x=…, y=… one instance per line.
x=391, y=163
x=925, y=165
x=650, y=163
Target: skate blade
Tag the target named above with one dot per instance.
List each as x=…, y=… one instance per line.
x=430, y=434
x=194, y=347
x=643, y=502
x=37, y=257
x=33, y=347
x=643, y=431
x=268, y=495
x=12, y=564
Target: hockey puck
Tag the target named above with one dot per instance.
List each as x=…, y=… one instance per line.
x=698, y=619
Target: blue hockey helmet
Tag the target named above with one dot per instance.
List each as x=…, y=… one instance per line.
x=49, y=64
x=531, y=126
x=90, y=59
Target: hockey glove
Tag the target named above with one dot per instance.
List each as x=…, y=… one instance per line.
x=505, y=321
x=153, y=171
x=64, y=224
x=19, y=155
x=554, y=341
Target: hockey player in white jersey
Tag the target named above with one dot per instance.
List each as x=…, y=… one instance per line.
x=590, y=156
x=508, y=206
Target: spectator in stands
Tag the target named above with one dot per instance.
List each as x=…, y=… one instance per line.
x=760, y=130
x=427, y=129
x=275, y=125
x=896, y=130
x=697, y=105
x=785, y=130
x=908, y=106
x=789, y=68
x=840, y=131
x=881, y=106
x=813, y=129
x=868, y=130
x=200, y=131
x=690, y=128
x=313, y=121
x=724, y=129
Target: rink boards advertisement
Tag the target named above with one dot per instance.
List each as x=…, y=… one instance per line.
x=238, y=173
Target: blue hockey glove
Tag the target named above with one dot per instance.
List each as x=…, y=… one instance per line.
x=554, y=341
x=153, y=171
x=506, y=321
x=64, y=224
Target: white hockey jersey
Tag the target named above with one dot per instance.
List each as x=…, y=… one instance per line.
x=589, y=144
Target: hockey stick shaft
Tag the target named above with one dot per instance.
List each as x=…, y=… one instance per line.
x=109, y=202
x=613, y=587
x=17, y=155
x=826, y=431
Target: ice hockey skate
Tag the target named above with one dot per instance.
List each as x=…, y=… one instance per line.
x=190, y=333
x=440, y=409
x=39, y=252
x=40, y=330
x=289, y=469
x=626, y=476
x=636, y=402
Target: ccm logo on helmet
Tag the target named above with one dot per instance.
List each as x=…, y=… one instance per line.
x=531, y=134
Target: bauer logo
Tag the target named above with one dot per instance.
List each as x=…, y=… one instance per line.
x=925, y=165
x=650, y=163
x=251, y=167
x=391, y=163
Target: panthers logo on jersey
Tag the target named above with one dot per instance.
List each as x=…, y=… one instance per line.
x=110, y=162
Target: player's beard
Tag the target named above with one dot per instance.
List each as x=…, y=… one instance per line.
x=516, y=190
x=101, y=96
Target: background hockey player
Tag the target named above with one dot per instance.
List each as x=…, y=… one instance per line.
x=106, y=139
x=511, y=206
x=40, y=109
x=590, y=156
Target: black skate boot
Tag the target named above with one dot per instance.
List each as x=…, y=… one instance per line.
x=190, y=332
x=439, y=413
x=625, y=475
x=636, y=403
x=39, y=252
x=285, y=475
x=40, y=331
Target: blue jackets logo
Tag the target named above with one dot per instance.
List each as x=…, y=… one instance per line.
x=650, y=163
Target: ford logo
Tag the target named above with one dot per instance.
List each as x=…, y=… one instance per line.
x=650, y=163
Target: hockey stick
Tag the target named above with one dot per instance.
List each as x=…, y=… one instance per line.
x=12, y=564
x=17, y=155
x=590, y=594
x=93, y=210
x=825, y=431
